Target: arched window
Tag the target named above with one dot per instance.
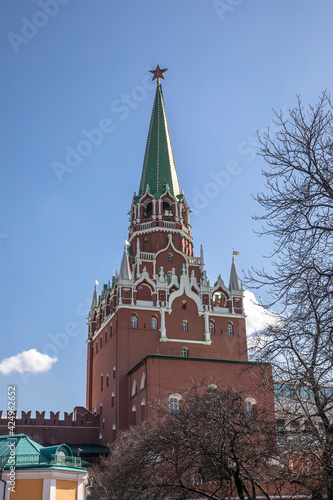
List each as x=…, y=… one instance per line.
x=102, y=382
x=166, y=209
x=169, y=276
x=184, y=305
x=211, y=389
x=248, y=410
x=134, y=322
x=154, y=323
x=148, y=211
x=184, y=352
x=143, y=381
x=101, y=408
x=174, y=404
x=107, y=380
x=196, y=478
x=133, y=388
x=211, y=327
x=248, y=407
x=170, y=257
x=112, y=399
x=230, y=329
x=114, y=372
x=184, y=325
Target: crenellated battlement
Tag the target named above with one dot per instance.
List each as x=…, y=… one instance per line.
x=79, y=417
x=79, y=427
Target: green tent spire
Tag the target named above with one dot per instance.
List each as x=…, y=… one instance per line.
x=159, y=166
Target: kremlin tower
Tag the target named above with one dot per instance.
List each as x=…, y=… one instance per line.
x=159, y=324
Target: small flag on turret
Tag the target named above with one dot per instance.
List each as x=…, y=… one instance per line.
x=235, y=253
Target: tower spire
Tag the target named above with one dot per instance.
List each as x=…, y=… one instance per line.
x=159, y=167
x=234, y=280
x=125, y=270
x=94, y=302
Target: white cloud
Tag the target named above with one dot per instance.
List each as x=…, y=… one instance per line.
x=257, y=317
x=27, y=361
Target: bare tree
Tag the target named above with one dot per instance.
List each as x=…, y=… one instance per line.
x=215, y=446
x=298, y=214
x=298, y=203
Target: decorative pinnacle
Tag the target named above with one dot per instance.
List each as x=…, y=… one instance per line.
x=158, y=73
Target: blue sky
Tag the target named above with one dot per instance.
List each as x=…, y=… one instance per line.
x=73, y=66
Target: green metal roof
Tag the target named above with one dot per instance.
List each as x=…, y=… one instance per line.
x=31, y=455
x=159, y=166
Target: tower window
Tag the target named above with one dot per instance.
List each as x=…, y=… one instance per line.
x=184, y=304
x=248, y=409
x=102, y=382
x=166, y=209
x=143, y=381
x=185, y=326
x=174, y=404
x=148, y=211
x=107, y=380
x=112, y=399
x=169, y=276
x=230, y=329
x=134, y=322
x=184, y=352
x=211, y=327
x=114, y=372
x=133, y=388
x=211, y=390
x=170, y=257
x=153, y=323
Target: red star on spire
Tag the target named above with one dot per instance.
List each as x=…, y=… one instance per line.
x=158, y=72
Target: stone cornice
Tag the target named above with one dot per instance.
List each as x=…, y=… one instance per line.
x=162, y=229
x=186, y=341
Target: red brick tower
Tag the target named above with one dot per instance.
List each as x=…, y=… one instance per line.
x=160, y=324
